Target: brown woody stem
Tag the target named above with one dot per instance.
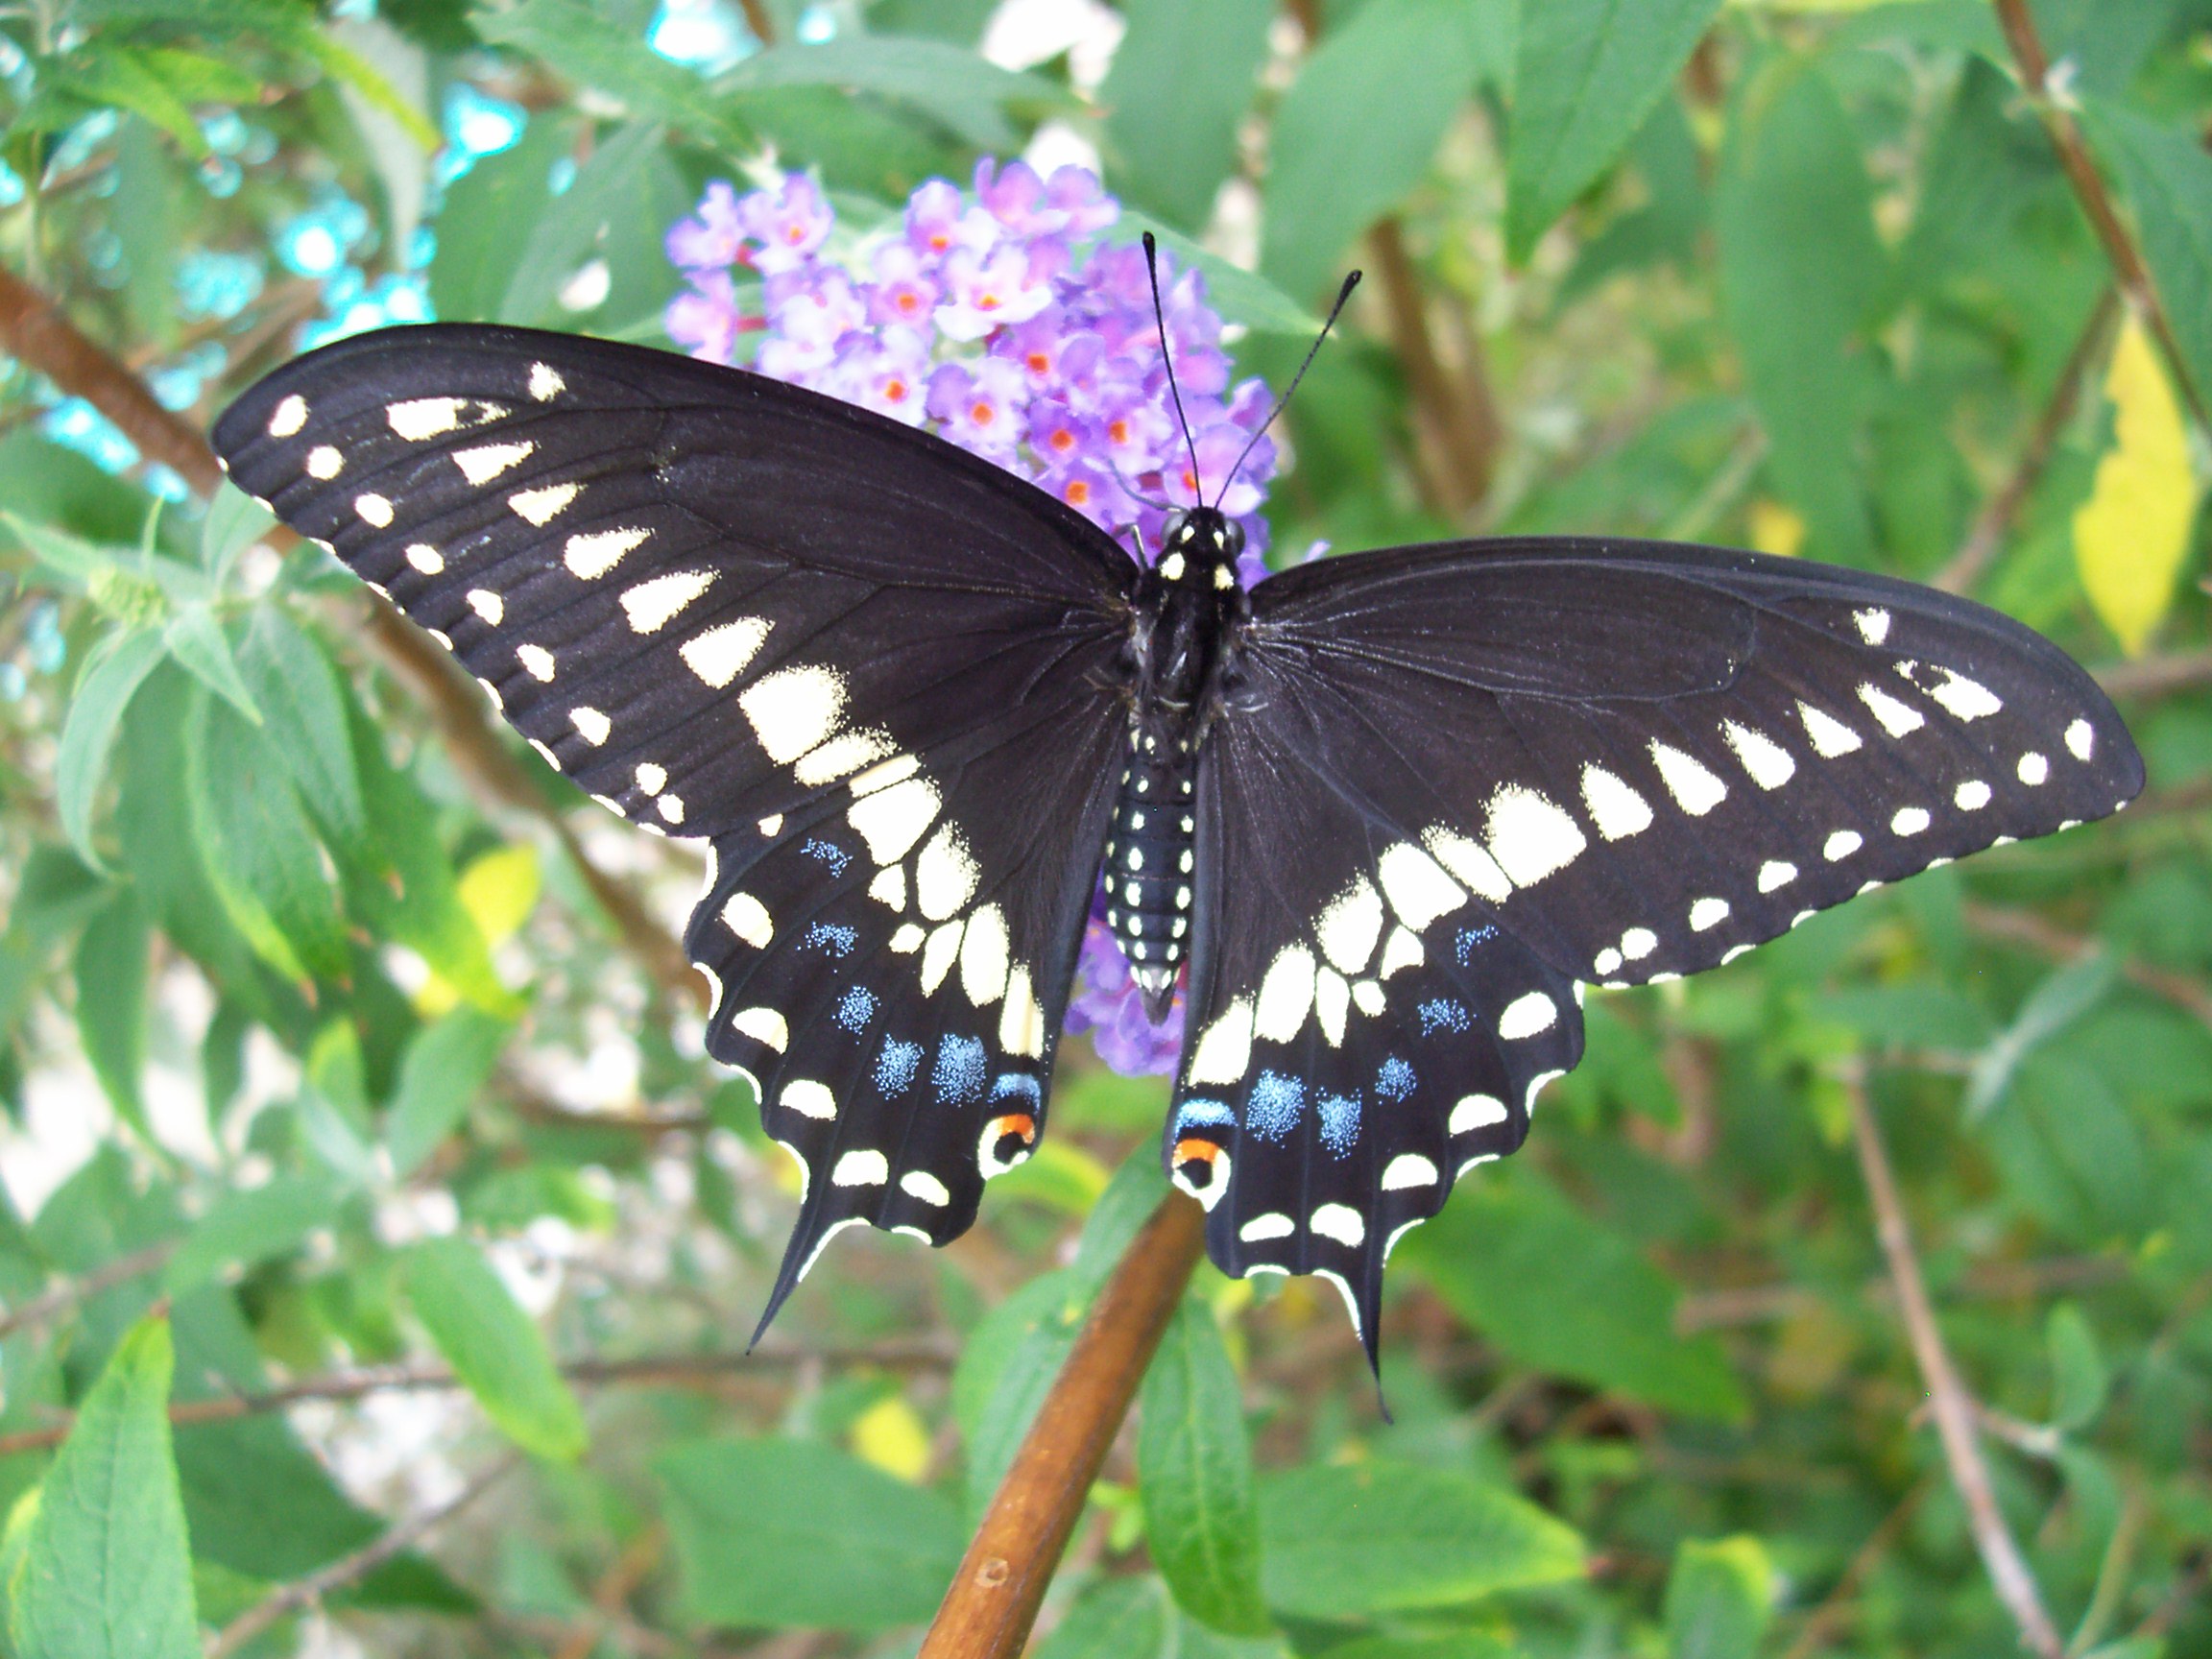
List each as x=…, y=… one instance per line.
x=1952, y=1406
x=1978, y=551
x=994, y=1597
x=1458, y=426
x=2034, y=66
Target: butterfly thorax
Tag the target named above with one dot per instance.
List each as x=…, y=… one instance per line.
x=1187, y=607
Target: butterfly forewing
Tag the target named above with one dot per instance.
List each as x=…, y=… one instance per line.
x=879, y=675
x=1651, y=758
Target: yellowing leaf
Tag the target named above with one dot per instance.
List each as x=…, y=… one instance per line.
x=891, y=1436
x=2131, y=535
x=499, y=889
x=1776, y=528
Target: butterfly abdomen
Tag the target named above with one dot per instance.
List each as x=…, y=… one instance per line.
x=1148, y=859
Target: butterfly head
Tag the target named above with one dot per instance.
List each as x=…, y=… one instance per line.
x=1200, y=545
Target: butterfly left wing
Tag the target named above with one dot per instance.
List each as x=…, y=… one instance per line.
x=880, y=675
x=1449, y=783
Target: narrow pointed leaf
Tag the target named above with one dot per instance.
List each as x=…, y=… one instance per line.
x=493, y=1347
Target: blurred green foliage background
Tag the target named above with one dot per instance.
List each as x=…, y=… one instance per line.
x=355, y=1112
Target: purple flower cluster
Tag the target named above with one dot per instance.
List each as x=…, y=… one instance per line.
x=994, y=318
x=999, y=320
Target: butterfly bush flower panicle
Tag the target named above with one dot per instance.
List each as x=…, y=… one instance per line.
x=994, y=318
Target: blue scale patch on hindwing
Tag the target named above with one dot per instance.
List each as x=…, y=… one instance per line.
x=896, y=1065
x=1340, y=1123
x=958, y=1074
x=1276, y=1104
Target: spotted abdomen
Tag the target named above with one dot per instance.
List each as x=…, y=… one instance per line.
x=1147, y=869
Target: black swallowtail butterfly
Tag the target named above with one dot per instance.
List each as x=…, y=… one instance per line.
x=1392, y=809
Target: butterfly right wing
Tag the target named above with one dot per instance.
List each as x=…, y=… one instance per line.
x=880, y=676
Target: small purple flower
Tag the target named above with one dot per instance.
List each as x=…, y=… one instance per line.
x=711, y=240
x=984, y=292
x=981, y=409
x=904, y=293
x=939, y=219
x=705, y=318
x=789, y=223
x=1106, y=1003
x=1075, y=193
x=889, y=375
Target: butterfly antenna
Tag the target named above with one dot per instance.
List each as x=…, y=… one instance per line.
x=1160, y=315
x=1280, y=404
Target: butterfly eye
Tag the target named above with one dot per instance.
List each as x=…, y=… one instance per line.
x=1235, y=539
x=1171, y=532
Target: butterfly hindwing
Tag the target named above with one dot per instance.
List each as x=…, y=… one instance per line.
x=892, y=959
x=1361, y=1029
x=836, y=649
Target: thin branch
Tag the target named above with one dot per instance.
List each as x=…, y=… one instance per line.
x=2045, y=939
x=2065, y=133
x=1993, y=1281
x=1994, y=521
x=1457, y=424
x=994, y=1597
x=66, y=1293
x=308, y=1592
x=610, y=1596
x=2151, y=676
x=34, y=330
x=672, y=1370
x=1954, y=1407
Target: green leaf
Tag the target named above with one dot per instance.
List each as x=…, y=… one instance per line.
x=341, y=63
x=1008, y=1369
x=1356, y=130
x=482, y=231
x=111, y=965
x=1181, y=79
x=1238, y=294
x=613, y=188
x=2070, y=1152
x=444, y=1066
x=791, y=1532
x=2168, y=180
x=112, y=678
x=2068, y=993
x=257, y=847
x=233, y=523
x=1343, y=1540
x=1718, y=1598
x=1194, y=1476
x=75, y=560
x=107, y=1572
x=1800, y=268
x=247, y=1228
x=2079, y=1378
x=1586, y=74
x=1555, y=1290
x=597, y=54
x=126, y=79
x=1121, y=1618
x=960, y=90
x=493, y=1347
x=195, y=639
x=303, y=703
